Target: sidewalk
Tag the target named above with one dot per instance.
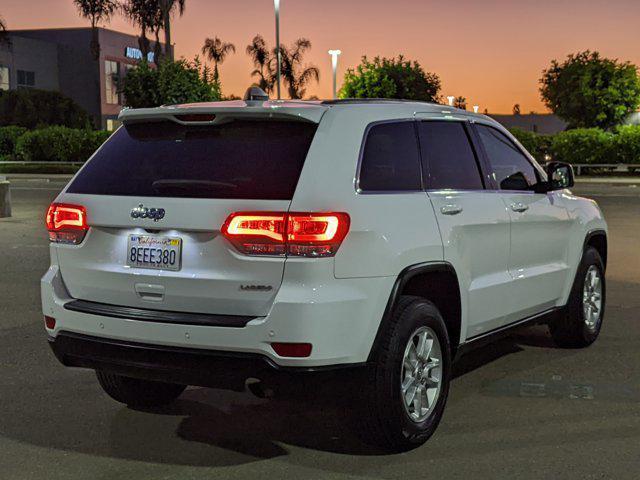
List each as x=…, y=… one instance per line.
x=37, y=176
x=615, y=180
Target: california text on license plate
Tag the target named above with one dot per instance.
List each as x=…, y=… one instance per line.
x=151, y=251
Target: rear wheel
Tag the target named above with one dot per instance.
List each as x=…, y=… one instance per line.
x=405, y=393
x=138, y=393
x=579, y=325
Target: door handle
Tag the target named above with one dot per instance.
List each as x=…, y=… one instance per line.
x=519, y=207
x=451, y=209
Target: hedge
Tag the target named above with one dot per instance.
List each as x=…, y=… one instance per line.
x=626, y=144
x=58, y=144
x=579, y=146
x=537, y=145
x=585, y=145
x=8, y=138
x=32, y=108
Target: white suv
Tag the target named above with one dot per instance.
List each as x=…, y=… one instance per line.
x=207, y=244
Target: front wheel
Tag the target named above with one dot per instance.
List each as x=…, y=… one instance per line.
x=406, y=390
x=580, y=323
x=135, y=392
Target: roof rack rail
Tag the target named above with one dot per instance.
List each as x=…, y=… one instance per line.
x=346, y=101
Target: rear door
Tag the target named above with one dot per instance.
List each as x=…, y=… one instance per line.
x=163, y=183
x=473, y=222
x=540, y=227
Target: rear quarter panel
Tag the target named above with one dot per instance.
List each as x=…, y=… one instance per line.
x=388, y=231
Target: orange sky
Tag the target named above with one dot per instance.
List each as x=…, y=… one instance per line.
x=490, y=51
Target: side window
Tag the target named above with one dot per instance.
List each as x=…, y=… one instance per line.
x=391, y=160
x=511, y=169
x=450, y=161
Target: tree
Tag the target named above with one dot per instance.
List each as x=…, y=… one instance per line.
x=167, y=8
x=295, y=74
x=460, y=102
x=169, y=83
x=587, y=90
x=262, y=60
x=216, y=50
x=96, y=11
x=147, y=16
x=3, y=32
x=390, y=78
x=516, y=109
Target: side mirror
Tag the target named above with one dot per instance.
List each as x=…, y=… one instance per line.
x=560, y=176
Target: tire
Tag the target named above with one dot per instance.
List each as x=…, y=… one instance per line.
x=576, y=327
x=383, y=417
x=138, y=393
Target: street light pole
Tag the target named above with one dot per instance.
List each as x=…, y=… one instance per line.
x=334, y=63
x=276, y=4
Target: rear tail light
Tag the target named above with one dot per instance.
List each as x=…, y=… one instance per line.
x=281, y=233
x=299, y=350
x=67, y=223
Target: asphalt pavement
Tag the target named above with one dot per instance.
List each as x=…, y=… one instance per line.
x=520, y=408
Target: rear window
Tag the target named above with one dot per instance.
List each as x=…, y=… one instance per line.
x=239, y=159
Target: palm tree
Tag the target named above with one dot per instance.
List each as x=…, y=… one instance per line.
x=460, y=102
x=96, y=11
x=3, y=32
x=216, y=50
x=167, y=8
x=146, y=15
x=259, y=53
x=296, y=75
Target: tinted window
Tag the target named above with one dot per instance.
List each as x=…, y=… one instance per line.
x=239, y=159
x=450, y=161
x=511, y=169
x=391, y=160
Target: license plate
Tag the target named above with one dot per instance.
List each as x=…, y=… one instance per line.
x=151, y=251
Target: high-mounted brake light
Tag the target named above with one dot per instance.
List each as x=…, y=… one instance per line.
x=66, y=223
x=196, y=117
x=281, y=233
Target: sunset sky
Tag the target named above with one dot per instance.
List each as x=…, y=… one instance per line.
x=490, y=51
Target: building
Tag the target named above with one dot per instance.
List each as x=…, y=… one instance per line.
x=543, y=123
x=546, y=123
x=60, y=59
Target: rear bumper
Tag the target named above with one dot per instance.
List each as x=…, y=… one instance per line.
x=183, y=366
x=339, y=318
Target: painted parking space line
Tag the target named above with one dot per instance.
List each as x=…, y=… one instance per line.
x=559, y=388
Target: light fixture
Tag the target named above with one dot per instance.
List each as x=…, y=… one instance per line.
x=334, y=64
x=276, y=4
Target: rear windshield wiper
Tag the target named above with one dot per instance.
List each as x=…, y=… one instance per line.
x=173, y=184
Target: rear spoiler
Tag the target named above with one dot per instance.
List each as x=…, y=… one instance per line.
x=213, y=113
